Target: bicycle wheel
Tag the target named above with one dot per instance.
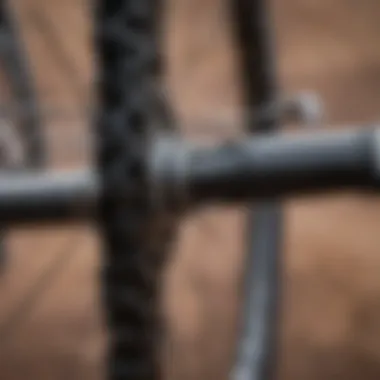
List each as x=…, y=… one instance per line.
x=135, y=241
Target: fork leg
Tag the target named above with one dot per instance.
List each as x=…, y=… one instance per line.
x=257, y=346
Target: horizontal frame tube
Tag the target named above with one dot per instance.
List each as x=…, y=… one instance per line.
x=257, y=168
x=47, y=196
x=282, y=166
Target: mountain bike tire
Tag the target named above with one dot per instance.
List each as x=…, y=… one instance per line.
x=135, y=242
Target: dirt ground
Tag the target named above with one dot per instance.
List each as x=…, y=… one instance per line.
x=50, y=318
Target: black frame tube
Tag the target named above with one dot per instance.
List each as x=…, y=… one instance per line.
x=263, y=167
x=270, y=167
x=258, y=336
x=255, y=51
x=46, y=197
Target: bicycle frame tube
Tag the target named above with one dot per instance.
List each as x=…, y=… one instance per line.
x=48, y=197
x=258, y=335
x=241, y=171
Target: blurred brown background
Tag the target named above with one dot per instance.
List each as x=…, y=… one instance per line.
x=50, y=318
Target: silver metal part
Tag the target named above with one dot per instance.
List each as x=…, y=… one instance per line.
x=305, y=108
